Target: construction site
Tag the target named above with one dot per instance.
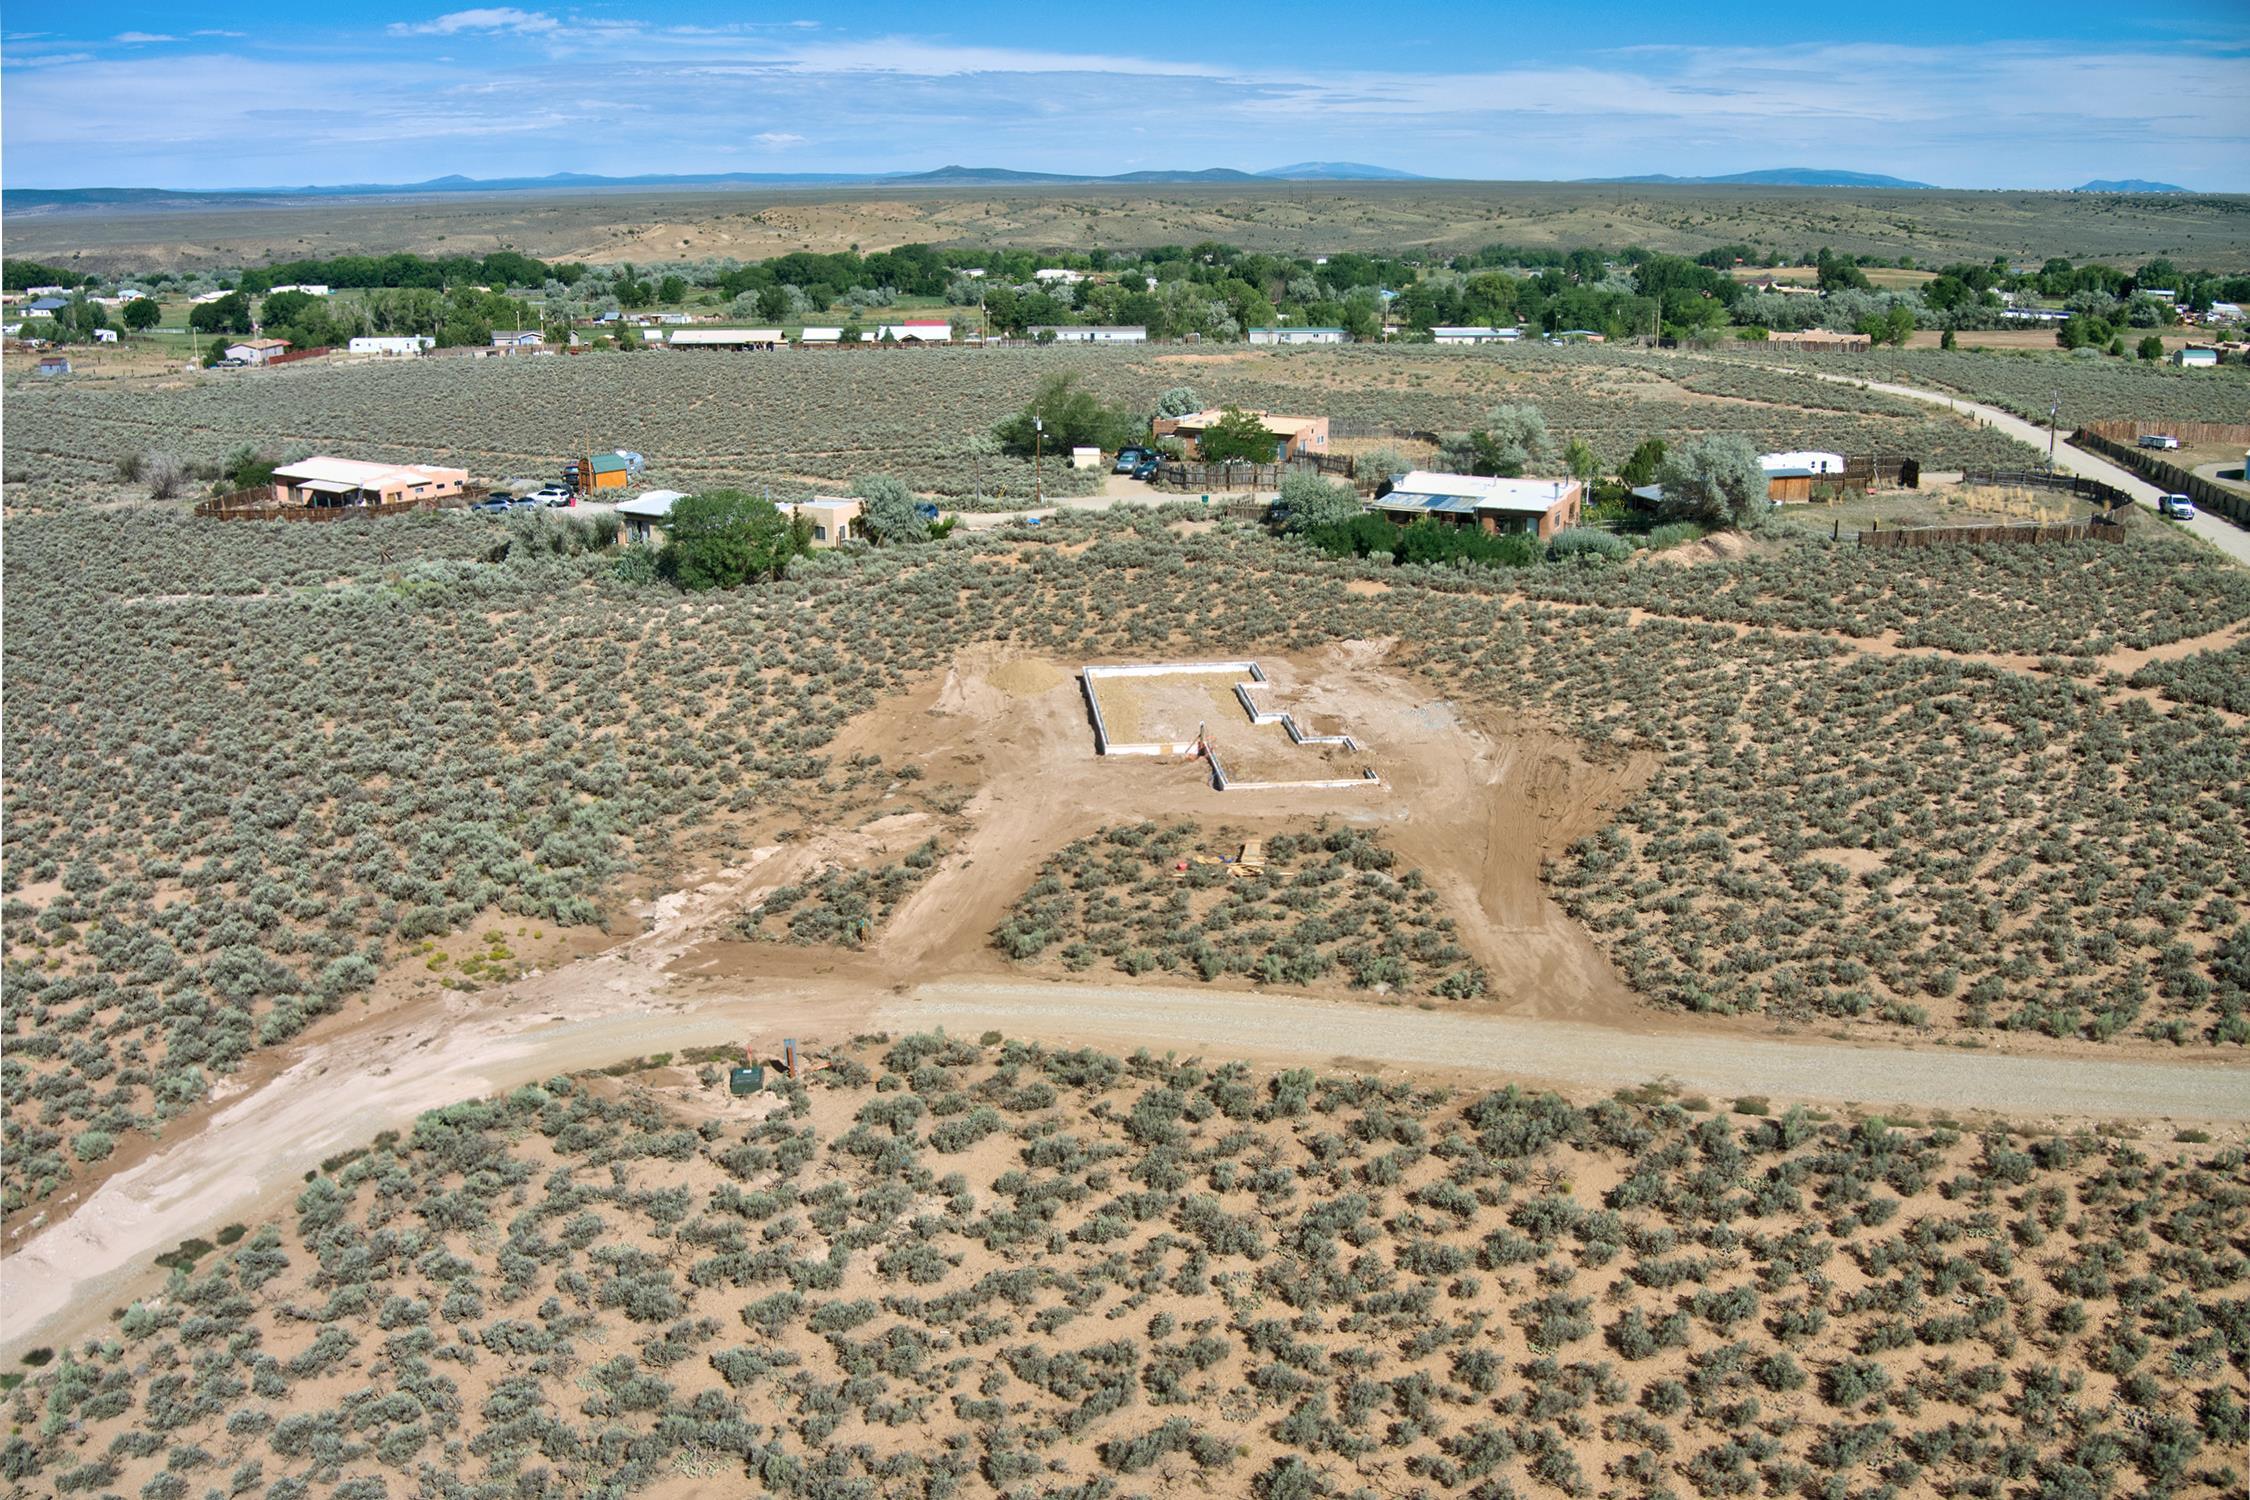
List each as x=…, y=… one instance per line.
x=1225, y=713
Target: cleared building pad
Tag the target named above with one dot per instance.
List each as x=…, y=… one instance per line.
x=1212, y=709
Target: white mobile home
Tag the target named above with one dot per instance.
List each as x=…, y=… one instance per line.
x=726, y=338
x=391, y=344
x=1299, y=336
x=1091, y=333
x=1478, y=334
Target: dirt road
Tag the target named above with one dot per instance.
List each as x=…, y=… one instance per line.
x=251, y=1156
x=1574, y=1055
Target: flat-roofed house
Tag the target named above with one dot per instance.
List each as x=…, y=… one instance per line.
x=1292, y=435
x=833, y=518
x=324, y=481
x=1538, y=507
x=1474, y=334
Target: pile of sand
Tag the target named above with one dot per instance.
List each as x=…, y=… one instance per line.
x=1023, y=676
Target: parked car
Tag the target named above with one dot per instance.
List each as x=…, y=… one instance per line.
x=524, y=502
x=2176, y=508
x=1147, y=467
x=493, y=503
x=1129, y=460
x=553, y=494
x=2159, y=440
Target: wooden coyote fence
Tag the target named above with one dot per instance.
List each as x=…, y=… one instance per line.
x=2192, y=434
x=257, y=505
x=2098, y=530
x=1245, y=476
x=2120, y=441
x=1208, y=477
x=2108, y=496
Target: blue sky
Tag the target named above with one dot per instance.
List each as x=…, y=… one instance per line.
x=264, y=93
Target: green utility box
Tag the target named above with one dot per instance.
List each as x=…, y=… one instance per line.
x=742, y=1081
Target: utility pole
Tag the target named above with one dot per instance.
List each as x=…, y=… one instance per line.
x=1038, y=450
x=2054, y=407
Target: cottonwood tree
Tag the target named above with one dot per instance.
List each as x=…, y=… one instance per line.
x=726, y=538
x=887, y=513
x=1715, y=480
x=1309, y=501
x=1238, y=435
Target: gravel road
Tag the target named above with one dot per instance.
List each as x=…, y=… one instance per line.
x=1573, y=1054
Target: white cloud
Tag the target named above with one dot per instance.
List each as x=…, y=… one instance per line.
x=138, y=37
x=485, y=18
x=1999, y=114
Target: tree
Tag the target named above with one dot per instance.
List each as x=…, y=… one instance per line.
x=887, y=513
x=671, y=291
x=773, y=304
x=1580, y=461
x=1179, y=401
x=725, y=538
x=1309, y=501
x=2151, y=347
x=1640, y=469
x=1238, y=435
x=230, y=314
x=142, y=313
x=1074, y=417
x=1715, y=480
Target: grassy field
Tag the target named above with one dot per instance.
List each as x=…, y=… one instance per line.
x=648, y=225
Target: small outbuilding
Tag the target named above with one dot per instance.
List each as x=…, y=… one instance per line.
x=2195, y=357
x=53, y=364
x=517, y=338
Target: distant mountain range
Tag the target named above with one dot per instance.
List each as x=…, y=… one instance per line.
x=1775, y=177
x=21, y=199
x=947, y=176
